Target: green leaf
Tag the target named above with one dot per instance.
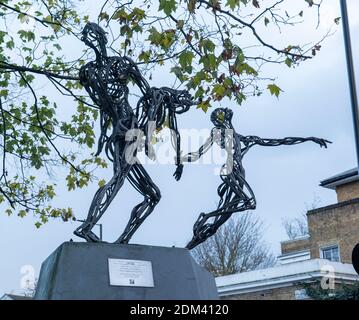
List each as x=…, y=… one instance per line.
x=102, y=183
x=288, y=62
x=145, y=56
x=209, y=62
x=274, y=90
x=168, y=6
x=180, y=24
x=10, y=45
x=191, y=6
x=26, y=35
x=22, y=213
x=4, y=93
x=204, y=106
x=245, y=68
x=185, y=60
x=219, y=91
x=162, y=39
x=57, y=46
x=104, y=16
x=232, y=3
x=207, y=46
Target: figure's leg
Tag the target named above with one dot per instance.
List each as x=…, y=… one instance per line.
x=143, y=183
x=100, y=203
x=233, y=199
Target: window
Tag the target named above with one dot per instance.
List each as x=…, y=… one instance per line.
x=331, y=253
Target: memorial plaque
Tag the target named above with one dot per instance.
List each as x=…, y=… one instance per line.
x=130, y=273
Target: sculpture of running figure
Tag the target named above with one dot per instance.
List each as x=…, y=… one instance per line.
x=235, y=193
x=106, y=81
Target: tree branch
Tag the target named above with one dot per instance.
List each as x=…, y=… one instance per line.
x=43, y=128
x=45, y=23
x=7, y=66
x=254, y=31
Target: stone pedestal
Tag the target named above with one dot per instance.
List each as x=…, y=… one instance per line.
x=86, y=271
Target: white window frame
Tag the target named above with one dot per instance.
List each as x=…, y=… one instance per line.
x=327, y=247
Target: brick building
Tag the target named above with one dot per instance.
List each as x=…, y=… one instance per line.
x=323, y=255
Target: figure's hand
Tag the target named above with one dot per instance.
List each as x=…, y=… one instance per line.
x=321, y=142
x=178, y=173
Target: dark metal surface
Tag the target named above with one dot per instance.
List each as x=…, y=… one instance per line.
x=106, y=81
x=355, y=258
x=235, y=193
x=98, y=224
x=351, y=74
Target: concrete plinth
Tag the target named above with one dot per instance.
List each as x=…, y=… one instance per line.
x=81, y=271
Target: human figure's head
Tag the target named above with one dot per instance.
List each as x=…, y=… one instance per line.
x=222, y=117
x=95, y=37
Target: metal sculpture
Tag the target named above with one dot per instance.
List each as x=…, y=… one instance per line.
x=234, y=192
x=106, y=81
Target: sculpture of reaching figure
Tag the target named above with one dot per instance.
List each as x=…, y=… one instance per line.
x=235, y=193
x=106, y=81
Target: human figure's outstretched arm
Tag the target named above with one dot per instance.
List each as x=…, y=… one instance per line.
x=175, y=137
x=194, y=156
x=251, y=141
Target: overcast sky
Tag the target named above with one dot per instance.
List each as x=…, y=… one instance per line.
x=315, y=102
